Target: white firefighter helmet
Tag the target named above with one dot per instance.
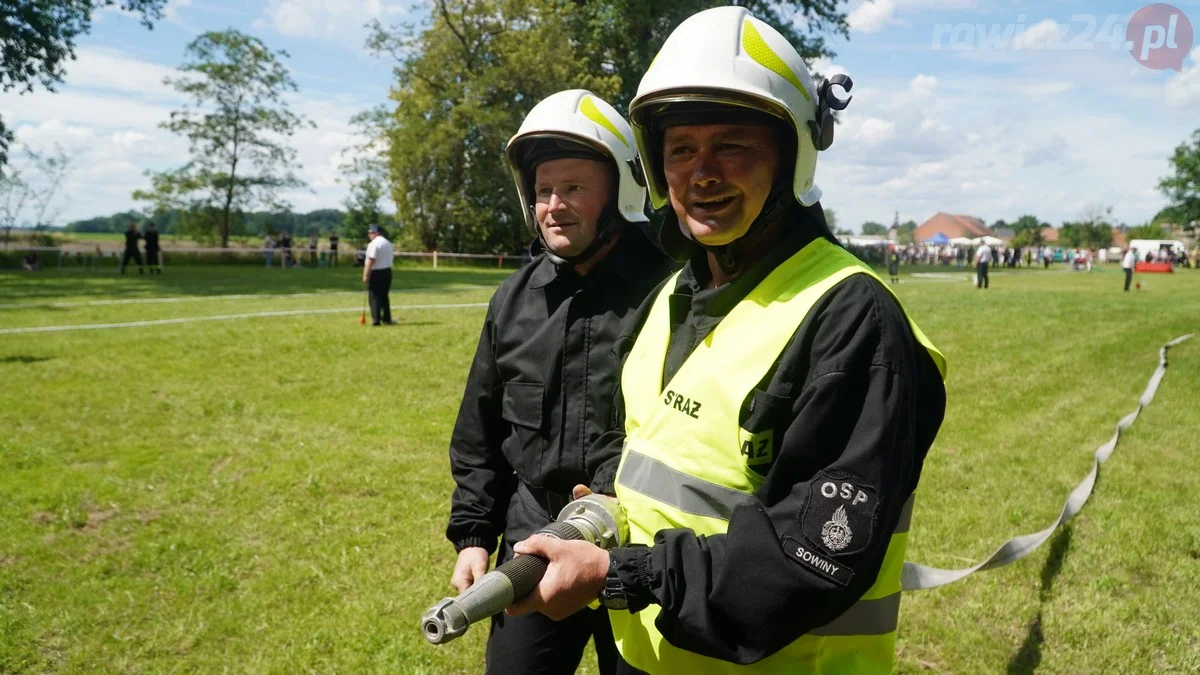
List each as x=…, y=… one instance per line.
x=578, y=117
x=725, y=56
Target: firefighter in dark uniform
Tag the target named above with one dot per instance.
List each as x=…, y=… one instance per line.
x=131, y=248
x=778, y=403
x=542, y=385
x=153, y=252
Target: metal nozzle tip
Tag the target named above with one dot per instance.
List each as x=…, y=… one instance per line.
x=433, y=630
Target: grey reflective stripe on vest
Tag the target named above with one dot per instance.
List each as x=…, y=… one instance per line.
x=865, y=617
x=687, y=493
x=697, y=496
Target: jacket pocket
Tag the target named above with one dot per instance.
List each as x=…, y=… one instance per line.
x=764, y=420
x=522, y=407
x=522, y=404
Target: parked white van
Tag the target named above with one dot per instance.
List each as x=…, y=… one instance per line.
x=1143, y=246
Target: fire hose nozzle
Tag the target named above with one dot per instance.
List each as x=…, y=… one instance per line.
x=595, y=518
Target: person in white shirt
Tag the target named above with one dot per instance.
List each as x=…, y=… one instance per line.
x=1129, y=262
x=983, y=256
x=377, y=276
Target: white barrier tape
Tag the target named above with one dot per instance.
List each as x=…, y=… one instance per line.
x=919, y=577
x=295, y=252
x=149, y=301
x=221, y=317
x=241, y=296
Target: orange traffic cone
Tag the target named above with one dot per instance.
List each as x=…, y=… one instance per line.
x=362, y=319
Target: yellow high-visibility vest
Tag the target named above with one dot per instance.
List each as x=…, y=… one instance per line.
x=684, y=464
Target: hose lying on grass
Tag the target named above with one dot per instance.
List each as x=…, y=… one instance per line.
x=919, y=577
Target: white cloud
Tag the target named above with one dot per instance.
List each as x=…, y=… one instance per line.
x=1000, y=144
x=1183, y=89
x=871, y=16
x=871, y=131
x=922, y=85
x=1039, y=35
x=106, y=118
x=827, y=68
x=1046, y=89
x=171, y=11
x=331, y=20
x=53, y=135
x=128, y=139
x=113, y=70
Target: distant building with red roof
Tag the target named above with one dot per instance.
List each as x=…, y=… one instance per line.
x=950, y=226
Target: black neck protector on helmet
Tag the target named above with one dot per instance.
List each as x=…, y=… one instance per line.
x=544, y=149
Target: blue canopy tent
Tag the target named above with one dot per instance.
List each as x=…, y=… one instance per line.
x=939, y=239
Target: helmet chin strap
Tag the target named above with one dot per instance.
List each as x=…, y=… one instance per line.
x=605, y=229
x=729, y=256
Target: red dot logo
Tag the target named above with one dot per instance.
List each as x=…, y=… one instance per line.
x=1159, y=36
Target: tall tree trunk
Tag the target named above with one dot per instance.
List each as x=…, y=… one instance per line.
x=232, y=179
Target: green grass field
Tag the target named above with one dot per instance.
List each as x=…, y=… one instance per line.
x=268, y=494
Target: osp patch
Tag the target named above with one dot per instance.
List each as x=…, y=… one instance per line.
x=840, y=514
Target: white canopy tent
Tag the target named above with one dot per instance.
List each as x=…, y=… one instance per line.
x=962, y=241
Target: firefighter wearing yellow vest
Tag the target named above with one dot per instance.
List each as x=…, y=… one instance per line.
x=778, y=402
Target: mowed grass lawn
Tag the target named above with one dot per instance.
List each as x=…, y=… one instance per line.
x=269, y=494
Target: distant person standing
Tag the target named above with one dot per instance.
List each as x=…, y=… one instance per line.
x=333, y=245
x=894, y=266
x=131, y=248
x=377, y=276
x=153, y=252
x=269, y=247
x=983, y=256
x=312, y=249
x=1128, y=263
x=285, y=243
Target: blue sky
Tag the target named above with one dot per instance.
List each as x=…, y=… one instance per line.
x=940, y=121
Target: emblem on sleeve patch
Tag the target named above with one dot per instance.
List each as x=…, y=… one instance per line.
x=840, y=513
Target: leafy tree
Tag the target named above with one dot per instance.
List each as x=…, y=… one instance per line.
x=872, y=227
x=1025, y=238
x=1144, y=231
x=253, y=223
x=464, y=85
x=1183, y=188
x=905, y=232
x=366, y=167
x=237, y=126
x=363, y=209
x=1027, y=231
x=37, y=37
x=468, y=77
x=1086, y=234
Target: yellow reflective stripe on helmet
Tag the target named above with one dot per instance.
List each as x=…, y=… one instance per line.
x=590, y=111
x=760, y=51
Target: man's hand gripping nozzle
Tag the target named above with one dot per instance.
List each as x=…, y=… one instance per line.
x=593, y=518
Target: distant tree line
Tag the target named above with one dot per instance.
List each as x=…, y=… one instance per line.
x=255, y=224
